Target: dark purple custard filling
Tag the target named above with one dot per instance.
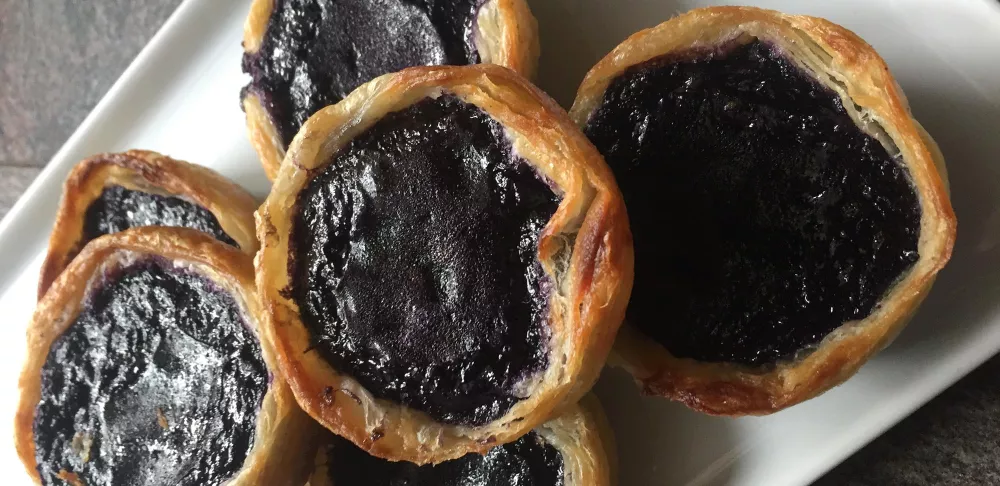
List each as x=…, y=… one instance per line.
x=528, y=461
x=763, y=216
x=416, y=268
x=118, y=209
x=315, y=52
x=157, y=382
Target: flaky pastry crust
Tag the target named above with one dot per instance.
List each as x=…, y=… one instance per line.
x=506, y=34
x=143, y=170
x=285, y=435
x=846, y=64
x=586, y=249
x=581, y=434
x=584, y=437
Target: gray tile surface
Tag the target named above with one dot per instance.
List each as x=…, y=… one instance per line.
x=58, y=57
x=13, y=182
x=953, y=440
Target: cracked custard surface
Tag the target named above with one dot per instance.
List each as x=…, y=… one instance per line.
x=414, y=262
x=157, y=382
x=118, y=209
x=763, y=216
x=528, y=461
x=315, y=52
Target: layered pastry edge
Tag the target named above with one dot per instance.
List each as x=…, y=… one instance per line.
x=146, y=172
x=580, y=434
x=283, y=434
x=589, y=228
x=841, y=61
x=506, y=34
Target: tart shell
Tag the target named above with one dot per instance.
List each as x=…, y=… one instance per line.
x=284, y=435
x=150, y=172
x=506, y=34
x=842, y=61
x=586, y=248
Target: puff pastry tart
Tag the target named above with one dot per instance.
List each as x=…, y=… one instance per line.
x=108, y=193
x=789, y=215
x=571, y=450
x=303, y=55
x=144, y=368
x=445, y=260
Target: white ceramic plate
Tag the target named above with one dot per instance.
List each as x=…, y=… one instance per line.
x=180, y=97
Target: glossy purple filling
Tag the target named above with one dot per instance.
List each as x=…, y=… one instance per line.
x=315, y=52
x=157, y=382
x=763, y=217
x=118, y=209
x=416, y=267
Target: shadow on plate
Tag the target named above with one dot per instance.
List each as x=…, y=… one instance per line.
x=662, y=442
x=574, y=35
x=247, y=168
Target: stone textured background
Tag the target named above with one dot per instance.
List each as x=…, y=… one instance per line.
x=59, y=57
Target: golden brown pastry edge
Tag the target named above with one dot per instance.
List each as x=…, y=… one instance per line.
x=581, y=434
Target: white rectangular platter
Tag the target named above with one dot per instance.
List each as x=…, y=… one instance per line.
x=180, y=97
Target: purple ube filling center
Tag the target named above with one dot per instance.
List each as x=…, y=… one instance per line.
x=416, y=262
x=315, y=52
x=118, y=209
x=763, y=217
x=159, y=381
